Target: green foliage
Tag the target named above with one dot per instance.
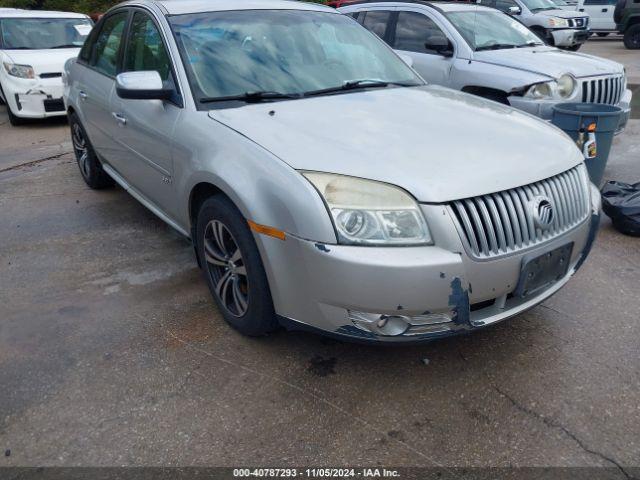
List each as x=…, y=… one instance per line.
x=83, y=6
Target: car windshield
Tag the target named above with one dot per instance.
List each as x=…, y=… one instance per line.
x=540, y=5
x=43, y=33
x=266, y=54
x=488, y=30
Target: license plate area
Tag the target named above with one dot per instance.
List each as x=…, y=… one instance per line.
x=540, y=271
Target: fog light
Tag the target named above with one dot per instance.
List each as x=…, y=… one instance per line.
x=394, y=325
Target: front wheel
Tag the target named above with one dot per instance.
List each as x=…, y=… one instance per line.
x=233, y=268
x=632, y=37
x=574, y=48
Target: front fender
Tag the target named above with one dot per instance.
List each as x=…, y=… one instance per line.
x=490, y=75
x=264, y=188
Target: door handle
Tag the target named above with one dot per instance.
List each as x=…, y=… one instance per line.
x=82, y=95
x=581, y=9
x=605, y=10
x=119, y=118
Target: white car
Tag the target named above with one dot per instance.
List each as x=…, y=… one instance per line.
x=482, y=51
x=34, y=46
x=601, y=14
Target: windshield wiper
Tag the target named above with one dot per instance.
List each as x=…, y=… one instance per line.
x=69, y=45
x=530, y=44
x=251, y=97
x=495, y=46
x=359, y=84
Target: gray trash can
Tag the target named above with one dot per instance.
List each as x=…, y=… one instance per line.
x=575, y=118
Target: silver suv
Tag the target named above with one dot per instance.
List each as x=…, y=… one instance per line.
x=323, y=185
x=483, y=51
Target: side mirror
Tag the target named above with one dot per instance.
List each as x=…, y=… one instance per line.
x=515, y=10
x=146, y=85
x=441, y=45
x=406, y=59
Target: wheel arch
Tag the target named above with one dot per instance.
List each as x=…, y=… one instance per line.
x=486, y=92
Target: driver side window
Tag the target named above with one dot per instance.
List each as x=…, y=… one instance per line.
x=415, y=32
x=107, y=47
x=145, y=49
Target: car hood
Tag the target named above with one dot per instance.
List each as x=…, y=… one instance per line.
x=549, y=61
x=436, y=143
x=43, y=61
x=562, y=13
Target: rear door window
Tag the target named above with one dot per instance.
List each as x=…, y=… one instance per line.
x=376, y=21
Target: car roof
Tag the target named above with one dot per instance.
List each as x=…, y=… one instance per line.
x=436, y=5
x=177, y=7
x=18, y=13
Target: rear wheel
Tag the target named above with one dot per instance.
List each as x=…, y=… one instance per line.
x=632, y=37
x=233, y=268
x=90, y=167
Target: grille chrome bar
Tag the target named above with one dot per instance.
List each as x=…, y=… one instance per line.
x=607, y=90
x=502, y=223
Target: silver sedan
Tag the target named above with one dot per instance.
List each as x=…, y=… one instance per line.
x=324, y=186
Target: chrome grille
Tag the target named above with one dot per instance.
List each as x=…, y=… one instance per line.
x=503, y=223
x=603, y=89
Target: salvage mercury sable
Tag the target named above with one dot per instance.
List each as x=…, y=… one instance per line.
x=323, y=184
x=34, y=46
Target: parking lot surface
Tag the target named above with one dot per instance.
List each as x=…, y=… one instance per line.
x=113, y=353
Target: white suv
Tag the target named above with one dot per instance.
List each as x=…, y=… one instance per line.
x=34, y=45
x=482, y=51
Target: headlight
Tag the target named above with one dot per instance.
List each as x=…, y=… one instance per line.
x=557, y=22
x=566, y=85
x=366, y=212
x=20, y=71
x=541, y=90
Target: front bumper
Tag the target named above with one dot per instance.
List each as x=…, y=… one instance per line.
x=34, y=98
x=325, y=287
x=544, y=108
x=569, y=37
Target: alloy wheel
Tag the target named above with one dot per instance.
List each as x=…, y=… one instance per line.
x=226, y=268
x=81, y=149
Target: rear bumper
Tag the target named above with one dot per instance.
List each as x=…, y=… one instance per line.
x=37, y=98
x=438, y=290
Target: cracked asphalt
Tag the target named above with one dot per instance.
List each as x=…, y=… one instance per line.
x=112, y=352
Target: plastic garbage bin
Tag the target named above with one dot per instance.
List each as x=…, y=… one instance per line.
x=577, y=118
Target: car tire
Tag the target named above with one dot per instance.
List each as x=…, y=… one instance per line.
x=543, y=35
x=574, y=48
x=602, y=34
x=14, y=120
x=88, y=162
x=619, y=10
x=632, y=37
x=233, y=269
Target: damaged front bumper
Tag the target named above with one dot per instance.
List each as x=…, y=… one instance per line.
x=544, y=108
x=405, y=294
x=569, y=37
x=34, y=98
